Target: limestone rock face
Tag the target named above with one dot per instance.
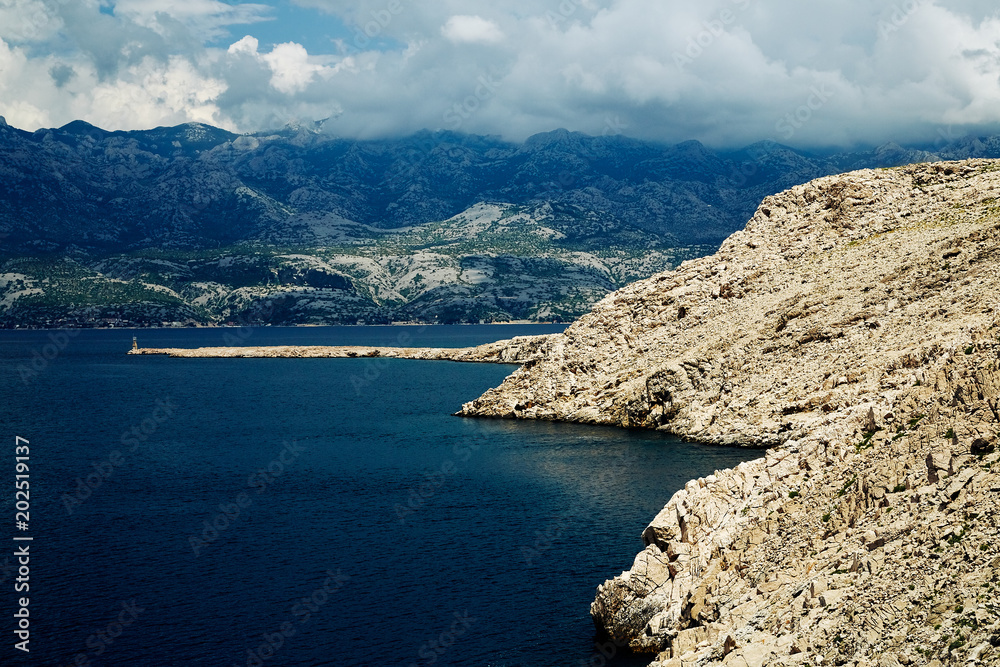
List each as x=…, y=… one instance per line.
x=837, y=292
x=852, y=329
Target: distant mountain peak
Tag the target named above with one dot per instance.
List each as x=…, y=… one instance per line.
x=692, y=148
x=767, y=146
x=557, y=136
x=82, y=127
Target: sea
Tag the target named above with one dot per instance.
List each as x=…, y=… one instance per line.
x=251, y=512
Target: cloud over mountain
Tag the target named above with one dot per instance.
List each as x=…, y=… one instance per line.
x=725, y=72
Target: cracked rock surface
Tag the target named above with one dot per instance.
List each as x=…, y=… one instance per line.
x=851, y=328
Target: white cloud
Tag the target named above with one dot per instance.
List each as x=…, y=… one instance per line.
x=27, y=20
x=291, y=68
x=153, y=93
x=204, y=18
x=147, y=94
x=471, y=29
x=16, y=75
x=246, y=45
x=727, y=72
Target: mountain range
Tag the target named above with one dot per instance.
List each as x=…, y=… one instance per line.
x=194, y=224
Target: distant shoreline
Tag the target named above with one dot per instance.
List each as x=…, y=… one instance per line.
x=516, y=350
x=288, y=326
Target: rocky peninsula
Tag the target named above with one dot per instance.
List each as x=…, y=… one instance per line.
x=518, y=350
x=852, y=328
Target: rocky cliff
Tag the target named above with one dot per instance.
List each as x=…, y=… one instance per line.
x=852, y=328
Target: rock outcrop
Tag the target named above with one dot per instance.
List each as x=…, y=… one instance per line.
x=852, y=329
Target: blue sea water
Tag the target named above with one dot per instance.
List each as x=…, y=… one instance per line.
x=310, y=511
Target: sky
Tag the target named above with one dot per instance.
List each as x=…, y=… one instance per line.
x=824, y=73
